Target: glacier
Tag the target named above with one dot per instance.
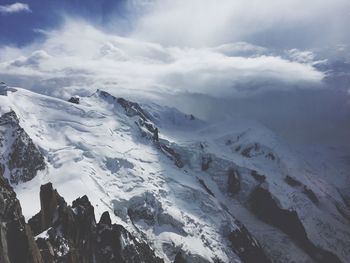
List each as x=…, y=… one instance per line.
x=184, y=184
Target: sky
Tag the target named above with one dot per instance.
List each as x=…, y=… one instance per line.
x=285, y=63
x=288, y=23
x=19, y=26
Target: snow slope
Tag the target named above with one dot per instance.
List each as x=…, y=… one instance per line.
x=95, y=149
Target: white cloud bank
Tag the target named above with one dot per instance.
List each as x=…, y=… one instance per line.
x=81, y=56
x=14, y=8
x=186, y=46
x=210, y=22
x=207, y=47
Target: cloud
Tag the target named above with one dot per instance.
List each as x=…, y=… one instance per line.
x=273, y=23
x=80, y=54
x=241, y=49
x=33, y=61
x=14, y=8
x=208, y=57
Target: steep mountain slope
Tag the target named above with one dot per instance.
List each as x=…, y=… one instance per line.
x=192, y=189
x=65, y=234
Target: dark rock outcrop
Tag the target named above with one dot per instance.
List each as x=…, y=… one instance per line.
x=4, y=89
x=51, y=204
x=305, y=190
x=246, y=247
x=179, y=258
x=74, y=100
x=132, y=108
x=172, y=154
x=292, y=181
x=206, y=188
x=310, y=194
x=206, y=160
x=252, y=150
x=105, y=219
x=234, y=181
x=268, y=210
x=17, y=243
x=72, y=234
x=22, y=158
x=258, y=177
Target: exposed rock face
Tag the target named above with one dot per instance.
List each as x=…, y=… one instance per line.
x=292, y=181
x=234, y=182
x=256, y=149
x=147, y=127
x=179, y=258
x=20, y=158
x=72, y=234
x=303, y=188
x=4, y=89
x=17, y=244
x=131, y=108
x=267, y=209
x=206, y=160
x=172, y=154
x=258, y=177
x=246, y=247
x=50, y=203
x=205, y=187
x=310, y=194
x=74, y=100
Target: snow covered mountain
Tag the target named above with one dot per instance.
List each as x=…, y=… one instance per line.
x=193, y=191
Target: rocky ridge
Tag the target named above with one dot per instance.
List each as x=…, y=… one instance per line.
x=20, y=159
x=17, y=244
x=71, y=233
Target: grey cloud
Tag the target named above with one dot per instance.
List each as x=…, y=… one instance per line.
x=32, y=61
x=78, y=49
x=210, y=77
x=272, y=23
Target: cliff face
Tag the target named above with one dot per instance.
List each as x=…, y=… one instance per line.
x=17, y=244
x=20, y=159
x=67, y=233
x=267, y=209
x=71, y=234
